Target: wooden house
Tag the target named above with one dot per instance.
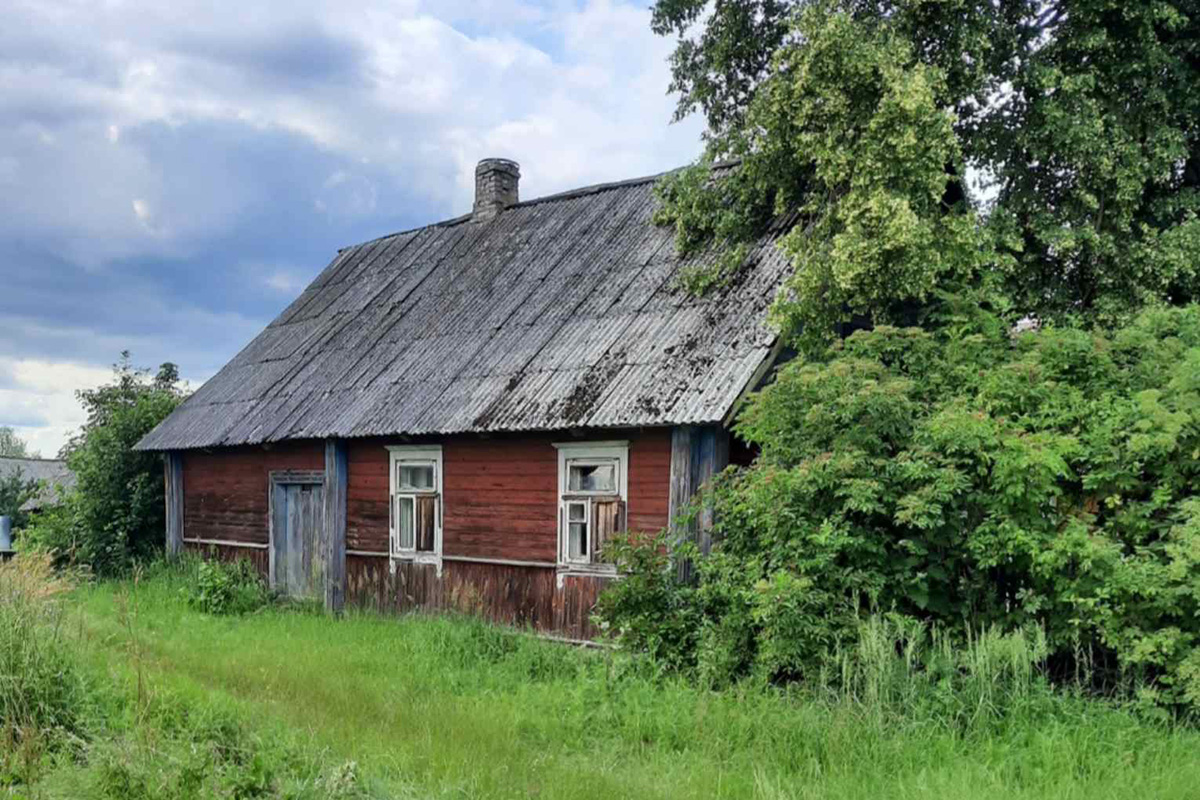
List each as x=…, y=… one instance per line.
x=459, y=416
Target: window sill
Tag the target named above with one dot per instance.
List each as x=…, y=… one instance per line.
x=434, y=559
x=585, y=571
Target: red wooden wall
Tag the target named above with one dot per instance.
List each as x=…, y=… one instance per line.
x=501, y=494
x=500, y=501
x=225, y=491
x=502, y=593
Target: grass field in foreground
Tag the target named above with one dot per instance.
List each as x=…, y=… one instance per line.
x=440, y=707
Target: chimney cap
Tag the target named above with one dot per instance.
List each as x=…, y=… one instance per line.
x=498, y=164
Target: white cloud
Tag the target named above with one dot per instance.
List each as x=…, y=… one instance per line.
x=108, y=113
x=284, y=282
x=39, y=400
x=417, y=93
x=141, y=209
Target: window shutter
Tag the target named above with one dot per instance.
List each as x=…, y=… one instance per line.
x=426, y=522
x=608, y=519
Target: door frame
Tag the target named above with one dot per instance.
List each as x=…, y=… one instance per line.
x=275, y=479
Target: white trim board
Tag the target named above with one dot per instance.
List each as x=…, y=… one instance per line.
x=227, y=543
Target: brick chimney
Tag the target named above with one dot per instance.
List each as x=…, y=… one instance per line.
x=496, y=182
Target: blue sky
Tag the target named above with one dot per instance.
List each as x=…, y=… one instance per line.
x=172, y=174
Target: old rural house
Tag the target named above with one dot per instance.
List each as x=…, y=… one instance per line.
x=461, y=415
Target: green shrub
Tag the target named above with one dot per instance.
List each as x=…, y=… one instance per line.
x=649, y=610
x=221, y=588
x=958, y=476
x=15, y=491
x=54, y=532
x=115, y=516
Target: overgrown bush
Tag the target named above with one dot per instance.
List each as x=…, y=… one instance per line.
x=42, y=697
x=960, y=475
x=116, y=514
x=649, y=609
x=226, y=588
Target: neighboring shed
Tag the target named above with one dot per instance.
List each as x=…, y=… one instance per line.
x=461, y=414
x=54, y=478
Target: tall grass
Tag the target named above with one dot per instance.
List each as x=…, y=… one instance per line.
x=449, y=707
x=41, y=693
x=903, y=670
x=286, y=703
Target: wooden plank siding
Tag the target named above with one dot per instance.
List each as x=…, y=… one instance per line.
x=225, y=492
x=334, y=539
x=500, y=501
x=526, y=597
x=501, y=494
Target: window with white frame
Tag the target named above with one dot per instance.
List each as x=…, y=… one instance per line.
x=415, y=508
x=592, y=488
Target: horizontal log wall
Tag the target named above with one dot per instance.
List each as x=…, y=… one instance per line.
x=501, y=494
x=225, y=493
x=500, y=501
x=649, y=480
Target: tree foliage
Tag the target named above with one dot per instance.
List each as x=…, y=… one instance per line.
x=868, y=117
x=948, y=167
x=963, y=476
x=15, y=491
x=116, y=514
x=12, y=445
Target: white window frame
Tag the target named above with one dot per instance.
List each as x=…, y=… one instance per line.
x=586, y=454
x=424, y=454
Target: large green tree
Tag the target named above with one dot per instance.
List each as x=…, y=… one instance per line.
x=1078, y=121
x=952, y=166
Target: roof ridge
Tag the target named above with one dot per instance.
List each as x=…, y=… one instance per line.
x=33, y=458
x=567, y=194
x=596, y=188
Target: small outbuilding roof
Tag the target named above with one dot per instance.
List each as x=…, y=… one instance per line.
x=561, y=312
x=54, y=476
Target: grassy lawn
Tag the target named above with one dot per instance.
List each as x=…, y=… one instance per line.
x=436, y=707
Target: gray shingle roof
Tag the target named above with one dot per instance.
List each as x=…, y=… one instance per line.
x=54, y=475
x=562, y=312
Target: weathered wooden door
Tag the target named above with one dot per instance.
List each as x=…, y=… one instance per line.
x=297, y=536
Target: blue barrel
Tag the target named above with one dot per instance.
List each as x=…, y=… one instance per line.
x=5, y=533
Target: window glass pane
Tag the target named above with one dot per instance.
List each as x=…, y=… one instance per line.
x=577, y=531
x=407, y=512
x=416, y=476
x=592, y=478
x=577, y=544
